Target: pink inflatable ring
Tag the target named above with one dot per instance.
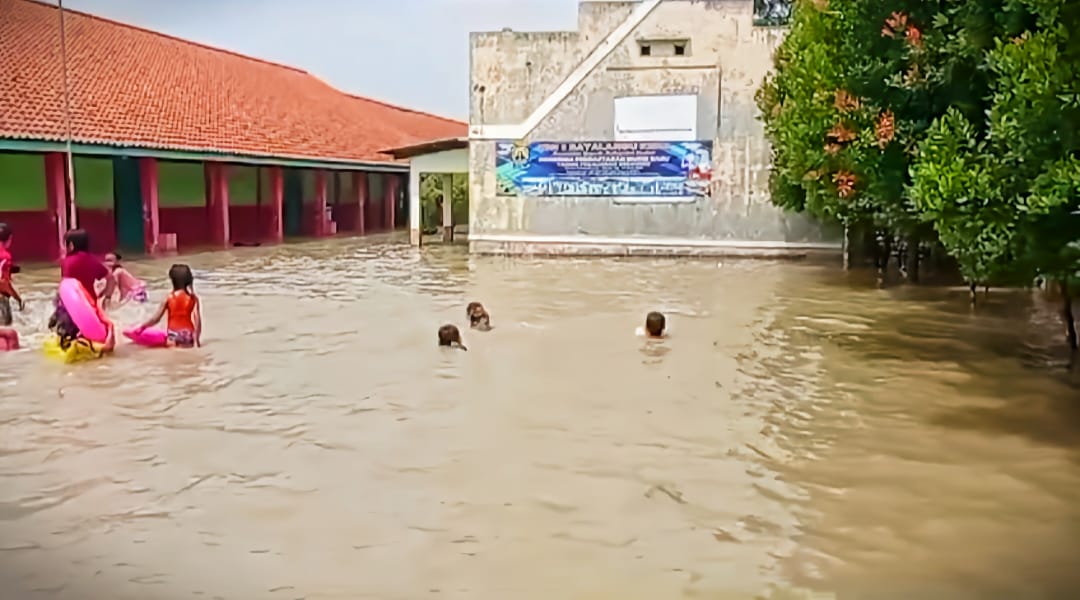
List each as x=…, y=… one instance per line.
x=84, y=311
x=150, y=337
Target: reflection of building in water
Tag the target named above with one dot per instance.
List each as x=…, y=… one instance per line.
x=657, y=71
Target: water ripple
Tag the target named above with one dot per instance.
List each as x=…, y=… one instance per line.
x=796, y=437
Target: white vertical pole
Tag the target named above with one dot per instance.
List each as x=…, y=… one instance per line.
x=415, y=234
x=73, y=214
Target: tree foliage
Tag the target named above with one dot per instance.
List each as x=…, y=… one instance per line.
x=956, y=120
x=1000, y=184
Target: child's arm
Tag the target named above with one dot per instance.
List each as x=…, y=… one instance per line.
x=110, y=289
x=196, y=316
x=157, y=316
x=110, y=340
x=9, y=288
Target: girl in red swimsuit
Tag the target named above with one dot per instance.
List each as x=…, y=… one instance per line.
x=182, y=306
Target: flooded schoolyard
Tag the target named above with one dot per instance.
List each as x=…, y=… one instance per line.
x=798, y=433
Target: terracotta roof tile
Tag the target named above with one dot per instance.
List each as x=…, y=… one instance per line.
x=134, y=87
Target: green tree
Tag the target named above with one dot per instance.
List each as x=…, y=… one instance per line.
x=844, y=109
x=1001, y=185
x=930, y=119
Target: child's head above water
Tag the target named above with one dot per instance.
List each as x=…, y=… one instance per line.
x=478, y=316
x=449, y=336
x=655, y=323
x=182, y=278
x=112, y=260
x=77, y=240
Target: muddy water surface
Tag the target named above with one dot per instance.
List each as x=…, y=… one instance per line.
x=798, y=436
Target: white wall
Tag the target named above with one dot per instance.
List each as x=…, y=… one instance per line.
x=708, y=91
x=447, y=161
x=657, y=118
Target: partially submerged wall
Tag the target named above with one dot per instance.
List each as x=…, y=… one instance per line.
x=182, y=193
x=24, y=205
x=94, y=201
x=724, y=61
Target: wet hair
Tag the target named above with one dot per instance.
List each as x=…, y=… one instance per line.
x=655, y=324
x=471, y=307
x=63, y=326
x=478, y=316
x=5, y=232
x=182, y=278
x=450, y=336
x=78, y=240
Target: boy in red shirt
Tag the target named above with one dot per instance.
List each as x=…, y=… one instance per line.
x=7, y=290
x=85, y=267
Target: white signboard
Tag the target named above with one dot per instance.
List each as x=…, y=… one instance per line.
x=656, y=118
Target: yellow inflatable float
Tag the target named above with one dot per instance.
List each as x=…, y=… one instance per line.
x=77, y=351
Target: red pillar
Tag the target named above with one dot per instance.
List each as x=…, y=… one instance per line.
x=319, y=209
x=277, y=200
x=392, y=183
x=56, y=193
x=217, y=205
x=360, y=184
x=148, y=181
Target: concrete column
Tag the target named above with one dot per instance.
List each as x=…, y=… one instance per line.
x=360, y=186
x=415, y=234
x=391, y=192
x=148, y=182
x=320, y=203
x=277, y=201
x=448, y=207
x=217, y=204
x=56, y=193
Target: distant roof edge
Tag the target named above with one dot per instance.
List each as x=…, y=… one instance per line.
x=429, y=147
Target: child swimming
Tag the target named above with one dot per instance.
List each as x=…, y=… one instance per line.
x=478, y=316
x=68, y=334
x=450, y=337
x=182, y=306
x=655, y=324
x=129, y=286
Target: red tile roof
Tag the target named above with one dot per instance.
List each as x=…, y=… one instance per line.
x=134, y=87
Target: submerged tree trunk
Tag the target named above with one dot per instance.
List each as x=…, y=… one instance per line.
x=911, y=259
x=974, y=292
x=1067, y=316
x=883, y=256
x=847, y=247
x=916, y=258
x=902, y=257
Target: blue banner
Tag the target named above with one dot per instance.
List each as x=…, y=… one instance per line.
x=618, y=169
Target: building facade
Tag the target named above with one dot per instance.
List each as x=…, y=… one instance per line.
x=636, y=133
x=154, y=143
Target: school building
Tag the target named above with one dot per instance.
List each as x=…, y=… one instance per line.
x=154, y=143
x=637, y=132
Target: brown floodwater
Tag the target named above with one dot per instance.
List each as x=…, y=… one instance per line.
x=800, y=435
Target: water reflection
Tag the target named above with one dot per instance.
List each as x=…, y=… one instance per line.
x=796, y=437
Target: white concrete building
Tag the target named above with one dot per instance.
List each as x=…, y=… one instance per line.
x=637, y=133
